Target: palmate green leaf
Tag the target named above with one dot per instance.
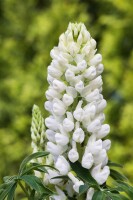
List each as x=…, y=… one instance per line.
x=83, y=189
x=31, y=157
x=61, y=177
x=11, y=192
x=5, y=192
x=35, y=166
x=114, y=196
x=113, y=164
x=32, y=181
x=99, y=195
x=117, y=175
x=125, y=187
x=36, y=184
x=84, y=174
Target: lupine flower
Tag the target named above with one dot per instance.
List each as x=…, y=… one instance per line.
x=76, y=128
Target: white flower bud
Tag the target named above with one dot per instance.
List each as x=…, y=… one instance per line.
x=100, y=157
x=90, y=193
x=69, y=188
x=73, y=48
x=94, y=146
x=78, y=135
x=101, y=117
x=70, y=37
x=104, y=130
x=58, y=107
x=67, y=99
x=106, y=144
x=101, y=105
x=50, y=135
x=50, y=79
x=60, y=195
x=96, y=83
x=77, y=185
x=89, y=112
x=87, y=160
x=48, y=106
x=71, y=91
x=79, y=86
x=51, y=174
x=69, y=75
x=54, y=72
x=94, y=126
x=76, y=182
x=82, y=65
x=62, y=165
x=79, y=112
x=51, y=123
x=100, y=175
x=80, y=39
x=96, y=59
x=58, y=85
x=51, y=94
x=90, y=73
x=100, y=69
x=68, y=125
x=93, y=96
x=73, y=155
x=86, y=36
x=93, y=43
x=86, y=49
x=55, y=149
x=61, y=139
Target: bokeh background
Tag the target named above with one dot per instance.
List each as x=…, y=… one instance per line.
x=28, y=31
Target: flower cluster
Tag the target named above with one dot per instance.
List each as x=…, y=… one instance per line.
x=75, y=129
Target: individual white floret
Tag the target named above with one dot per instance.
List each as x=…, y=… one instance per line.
x=96, y=59
x=55, y=149
x=87, y=160
x=49, y=106
x=73, y=154
x=79, y=86
x=60, y=195
x=79, y=112
x=67, y=99
x=106, y=144
x=59, y=108
x=50, y=175
x=68, y=123
x=51, y=123
x=90, y=73
x=99, y=174
x=103, y=131
x=94, y=126
x=77, y=183
x=59, y=85
x=62, y=165
x=50, y=134
x=78, y=135
x=51, y=93
x=90, y=193
x=61, y=139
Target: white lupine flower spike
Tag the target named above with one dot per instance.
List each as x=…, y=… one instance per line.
x=75, y=127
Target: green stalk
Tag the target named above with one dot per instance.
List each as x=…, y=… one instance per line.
x=25, y=191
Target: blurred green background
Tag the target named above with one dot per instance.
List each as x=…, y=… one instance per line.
x=28, y=31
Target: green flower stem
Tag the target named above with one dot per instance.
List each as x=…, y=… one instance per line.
x=25, y=191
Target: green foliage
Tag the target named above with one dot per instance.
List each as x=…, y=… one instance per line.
x=34, y=188
x=118, y=191
x=28, y=31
